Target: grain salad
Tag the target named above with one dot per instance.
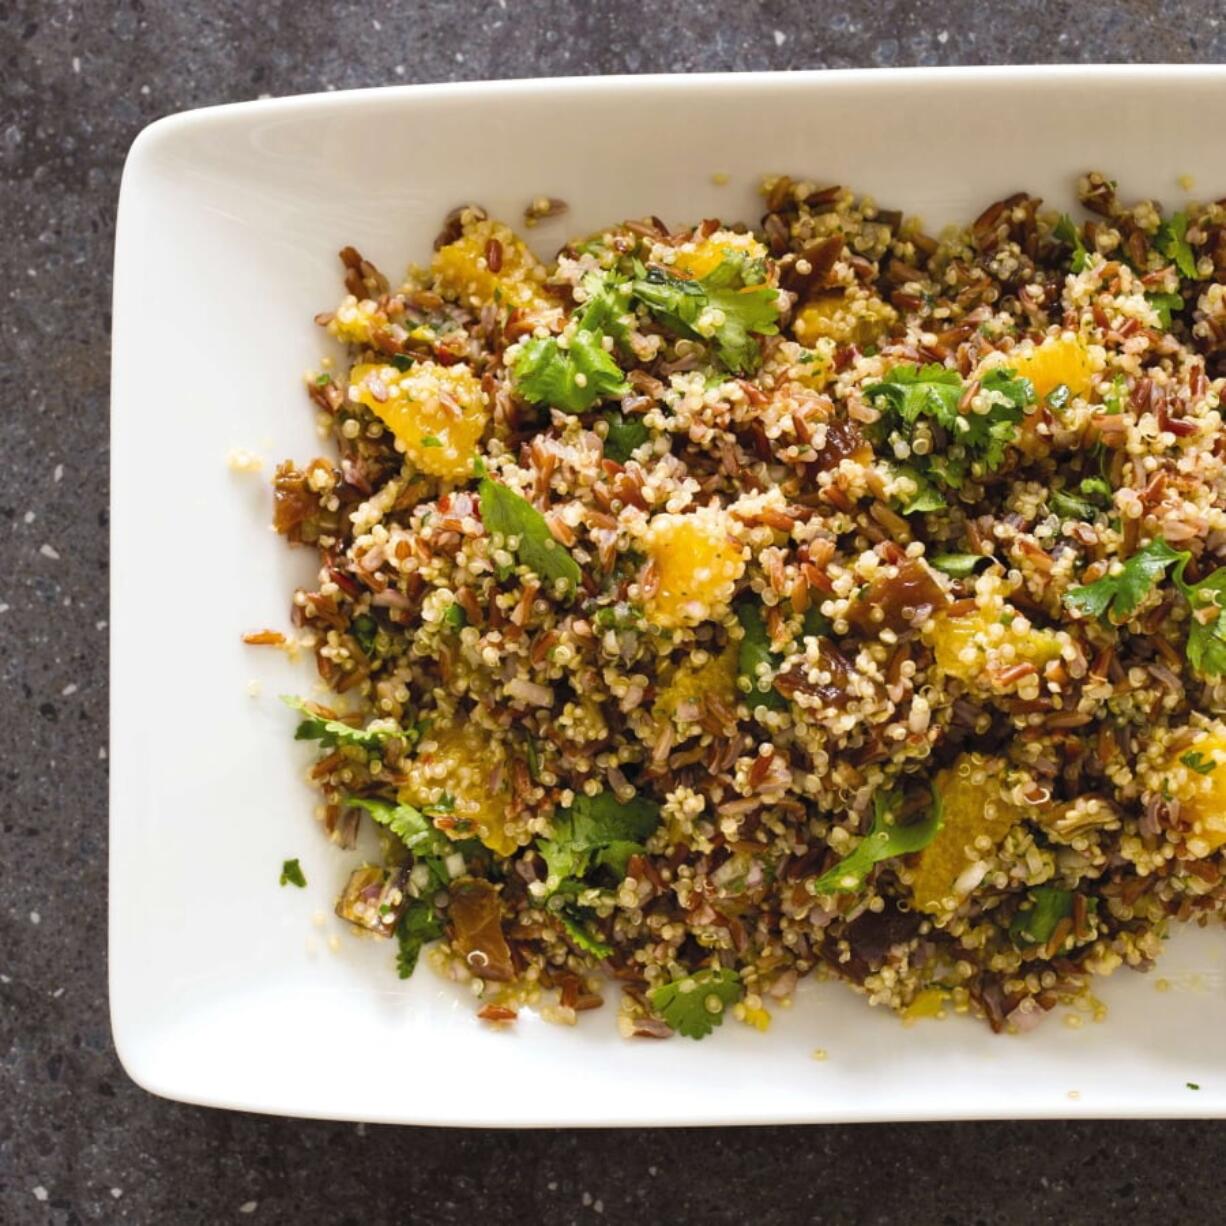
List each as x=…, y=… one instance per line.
x=715, y=606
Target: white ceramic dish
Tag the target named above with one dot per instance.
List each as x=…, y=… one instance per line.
x=229, y=223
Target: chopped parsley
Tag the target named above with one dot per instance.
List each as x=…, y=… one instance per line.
x=323, y=380
x=885, y=840
x=431, y=440
x=506, y=514
x=722, y=308
x=1066, y=231
x=331, y=733
x=1117, y=596
x=695, y=1004
x=291, y=874
x=1192, y=1085
x=1171, y=242
x=418, y=926
x=752, y=652
x=1035, y=923
x=1196, y=761
x=454, y=616
x=401, y=361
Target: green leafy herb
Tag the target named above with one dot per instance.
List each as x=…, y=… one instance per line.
x=533, y=756
x=817, y=623
x=572, y=921
x=977, y=441
x=331, y=733
x=1196, y=761
x=926, y=497
x=1069, y=506
x=720, y=308
x=625, y=435
x=885, y=840
x=418, y=926
x=1035, y=923
x=1206, y=648
x=1192, y=1085
x=619, y=616
x=606, y=305
x=1067, y=232
x=1165, y=305
x=291, y=874
x=1118, y=595
x=431, y=440
x=1097, y=490
x=752, y=652
x=412, y=827
x=957, y=565
x=506, y=514
x=598, y=830
x=695, y=1004
x=364, y=628
x=454, y=616
x=1171, y=241
x=323, y=380
x=572, y=378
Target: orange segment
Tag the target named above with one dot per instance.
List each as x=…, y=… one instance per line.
x=697, y=563
x=438, y=412
x=461, y=762
x=973, y=808
x=1202, y=793
x=1058, y=360
x=463, y=269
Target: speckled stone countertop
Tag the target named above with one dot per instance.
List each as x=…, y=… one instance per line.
x=78, y=1141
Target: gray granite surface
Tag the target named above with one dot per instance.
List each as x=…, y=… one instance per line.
x=78, y=1141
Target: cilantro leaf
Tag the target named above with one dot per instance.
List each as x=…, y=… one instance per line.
x=909, y=393
x=1067, y=232
x=957, y=565
x=926, y=497
x=364, y=628
x=1118, y=595
x=1097, y=490
x=625, y=436
x=719, y=308
x=885, y=840
x=1172, y=243
x=1196, y=761
x=506, y=514
x=1165, y=305
x=598, y=830
x=408, y=824
x=1206, y=648
x=753, y=651
x=571, y=919
x=331, y=733
x=1069, y=506
x=291, y=874
x=913, y=392
x=606, y=305
x=418, y=926
x=695, y=1004
x=572, y=378
x=1035, y=923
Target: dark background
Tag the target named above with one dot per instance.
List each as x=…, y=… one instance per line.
x=78, y=1141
